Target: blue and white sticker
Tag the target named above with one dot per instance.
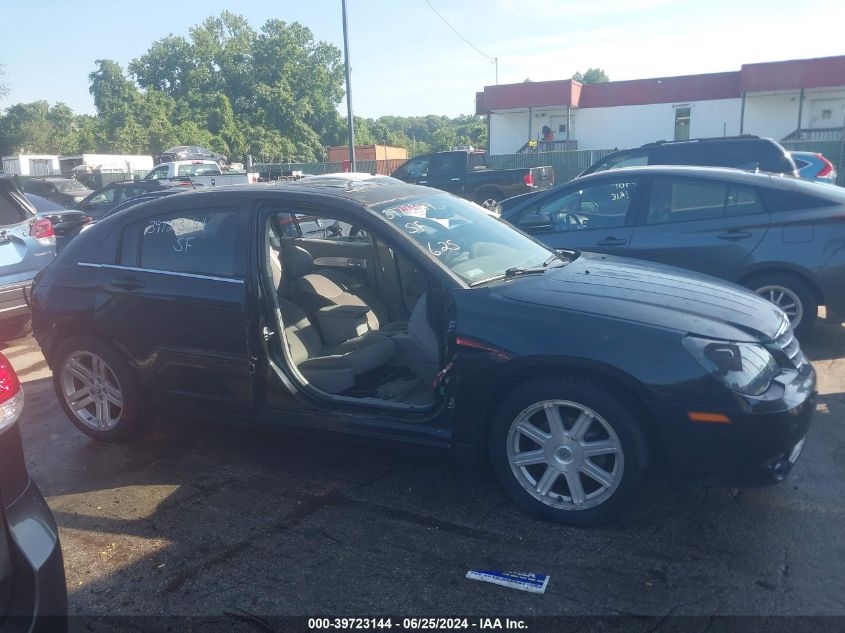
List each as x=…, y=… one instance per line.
x=535, y=583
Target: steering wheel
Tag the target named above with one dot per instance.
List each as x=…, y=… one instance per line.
x=571, y=220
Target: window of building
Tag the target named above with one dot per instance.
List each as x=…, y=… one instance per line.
x=682, y=119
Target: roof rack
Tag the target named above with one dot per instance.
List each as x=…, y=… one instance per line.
x=709, y=138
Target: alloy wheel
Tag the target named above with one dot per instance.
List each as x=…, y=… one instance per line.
x=565, y=454
x=786, y=300
x=490, y=204
x=91, y=391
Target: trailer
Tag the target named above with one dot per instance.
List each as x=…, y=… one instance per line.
x=31, y=165
x=105, y=163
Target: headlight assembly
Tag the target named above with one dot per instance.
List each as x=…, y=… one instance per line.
x=747, y=368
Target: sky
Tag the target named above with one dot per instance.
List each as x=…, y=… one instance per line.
x=406, y=61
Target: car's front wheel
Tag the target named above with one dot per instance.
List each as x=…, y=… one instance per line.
x=791, y=295
x=97, y=389
x=568, y=449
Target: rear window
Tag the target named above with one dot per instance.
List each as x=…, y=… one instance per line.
x=628, y=158
x=802, y=194
x=11, y=210
x=199, y=170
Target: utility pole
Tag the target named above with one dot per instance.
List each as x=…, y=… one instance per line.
x=350, y=123
x=496, y=63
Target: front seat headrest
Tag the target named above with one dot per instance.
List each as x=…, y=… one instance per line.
x=296, y=262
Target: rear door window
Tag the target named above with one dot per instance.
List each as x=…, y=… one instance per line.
x=685, y=200
x=202, y=241
x=447, y=165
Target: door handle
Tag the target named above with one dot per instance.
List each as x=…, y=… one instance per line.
x=734, y=235
x=612, y=241
x=127, y=283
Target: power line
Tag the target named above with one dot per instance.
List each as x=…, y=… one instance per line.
x=430, y=6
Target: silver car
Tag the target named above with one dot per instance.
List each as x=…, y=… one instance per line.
x=27, y=244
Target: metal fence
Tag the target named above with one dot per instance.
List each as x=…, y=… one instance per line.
x=567, y=165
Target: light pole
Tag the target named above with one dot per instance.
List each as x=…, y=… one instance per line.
x=349, y=120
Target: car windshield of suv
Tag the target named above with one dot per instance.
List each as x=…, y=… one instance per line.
x=68, y=186
x=474, y=245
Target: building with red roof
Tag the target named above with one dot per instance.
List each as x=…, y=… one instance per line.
x=795, y=99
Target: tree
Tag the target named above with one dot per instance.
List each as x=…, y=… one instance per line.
x=4, y=89
x=592, y=76
x=251, y=88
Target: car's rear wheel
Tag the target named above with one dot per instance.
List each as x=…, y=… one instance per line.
x=791, y=295
x=97, y=389
x=568, y=449
x=489, y=198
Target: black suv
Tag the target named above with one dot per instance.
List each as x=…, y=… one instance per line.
x=741, y=152
x=106, y=198
x=64, y=191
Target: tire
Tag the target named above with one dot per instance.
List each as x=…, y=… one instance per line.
x=608, y=419
x=489, y=198
x=790, y=290
x=15, y=328
x=74, y=371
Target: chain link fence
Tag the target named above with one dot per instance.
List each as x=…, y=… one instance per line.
x=567, y=165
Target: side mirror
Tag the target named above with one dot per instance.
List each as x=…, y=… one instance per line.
x=536, y=222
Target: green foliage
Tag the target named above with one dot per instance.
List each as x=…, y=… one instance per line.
x=4, y=89
x=592, y=76
x=271, y=92
x=420, y=134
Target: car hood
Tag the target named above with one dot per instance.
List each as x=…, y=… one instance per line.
x=652, y=294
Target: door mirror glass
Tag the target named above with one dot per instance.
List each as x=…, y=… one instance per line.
x=536, y=222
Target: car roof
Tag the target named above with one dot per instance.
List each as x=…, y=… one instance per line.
x=365, y=192
x=697, y=171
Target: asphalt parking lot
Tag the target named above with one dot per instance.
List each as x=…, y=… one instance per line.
x=200, y=518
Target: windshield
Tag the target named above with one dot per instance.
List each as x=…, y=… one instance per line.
x=471, y=243
x=69, y=185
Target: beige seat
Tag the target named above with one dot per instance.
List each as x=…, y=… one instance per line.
x=331, y=369
x=313, y=290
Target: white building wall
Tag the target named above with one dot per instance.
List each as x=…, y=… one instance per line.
x=631, y=126
x=771, y=116
x=508, y=131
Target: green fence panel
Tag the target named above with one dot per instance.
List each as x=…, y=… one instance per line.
x=567, y=165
